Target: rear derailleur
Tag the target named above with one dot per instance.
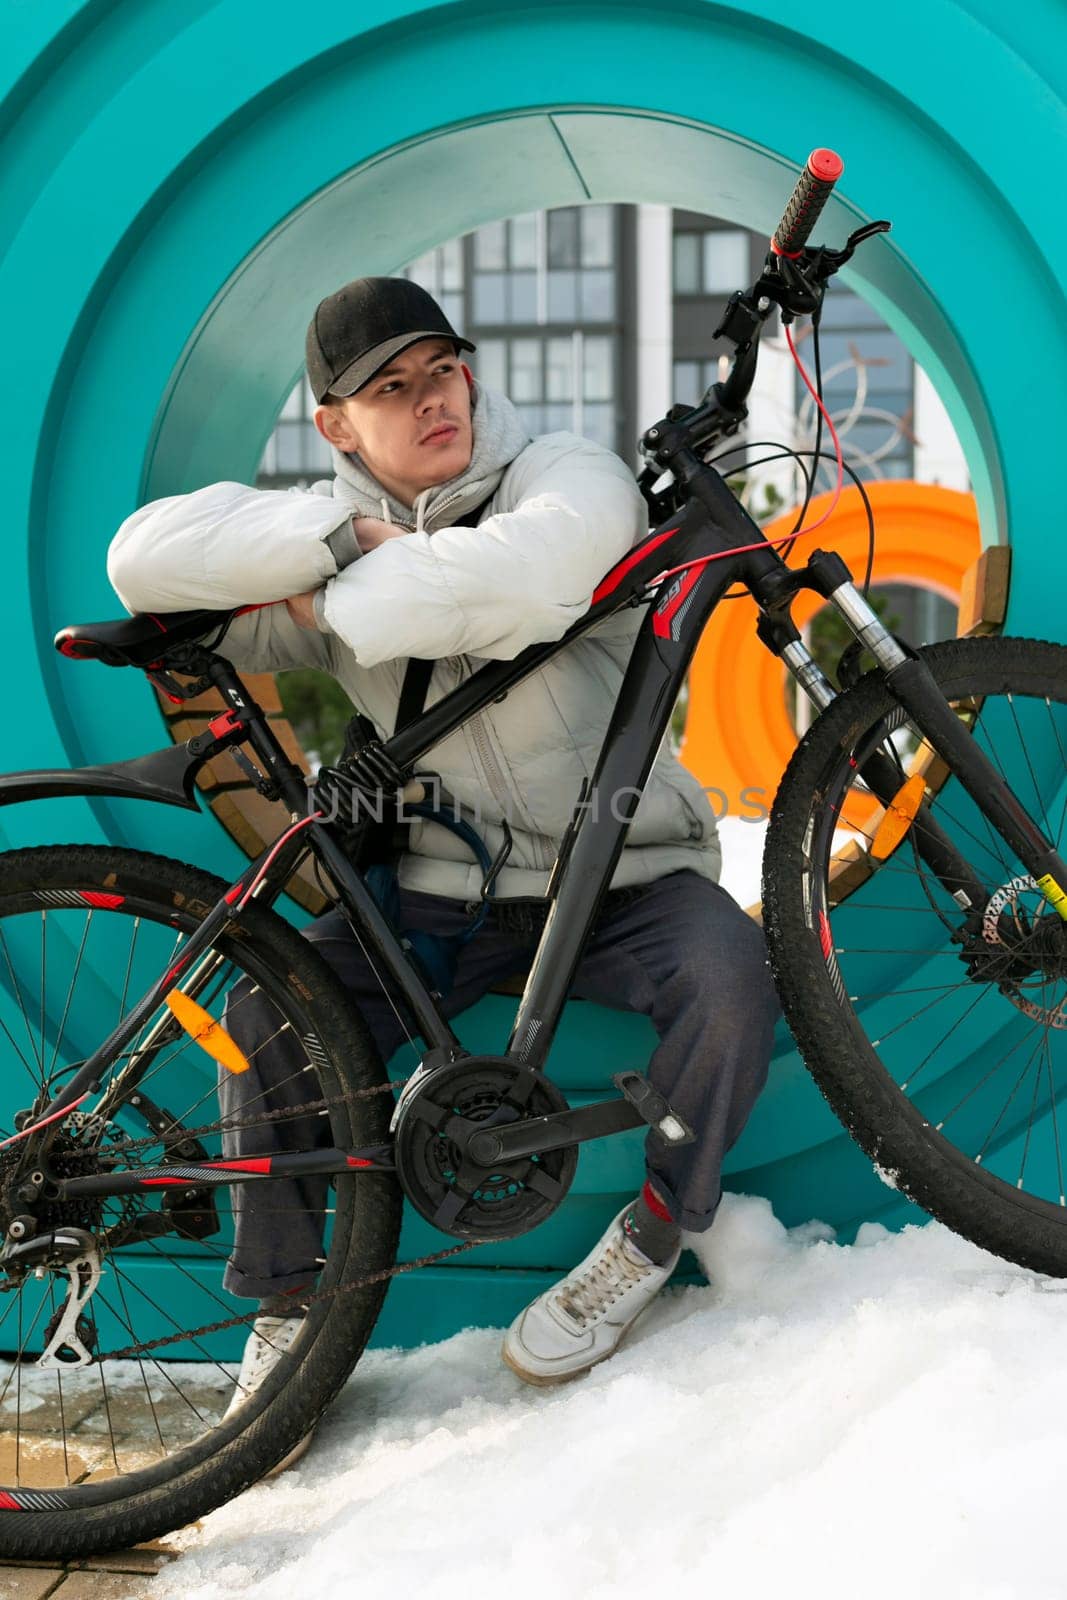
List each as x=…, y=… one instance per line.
x=70, y=1336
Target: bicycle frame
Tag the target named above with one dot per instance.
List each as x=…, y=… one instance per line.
x=709, y=530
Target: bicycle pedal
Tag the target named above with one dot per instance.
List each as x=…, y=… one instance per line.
x=653, y=1108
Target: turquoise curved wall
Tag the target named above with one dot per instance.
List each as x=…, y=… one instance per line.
x=180, y=184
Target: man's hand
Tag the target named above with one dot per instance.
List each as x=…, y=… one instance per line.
x=300, y=609
x=371, y=532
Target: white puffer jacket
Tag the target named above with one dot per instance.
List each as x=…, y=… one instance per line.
x=562, y=512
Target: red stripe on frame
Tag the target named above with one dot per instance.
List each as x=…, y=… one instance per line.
x=7, y=1502
x=249, y=1164
x=610, y=583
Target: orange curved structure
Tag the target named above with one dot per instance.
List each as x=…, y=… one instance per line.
x=738, y=733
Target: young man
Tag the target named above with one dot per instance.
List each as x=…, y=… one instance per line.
x=384, y=564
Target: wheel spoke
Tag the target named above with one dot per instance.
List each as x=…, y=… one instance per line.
x=66, y=1004
x=16, y=988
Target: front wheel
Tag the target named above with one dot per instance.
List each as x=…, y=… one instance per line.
x=99, y=1454
x=938, y=1034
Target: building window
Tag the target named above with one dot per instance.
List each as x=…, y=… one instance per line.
x=557, y=383
x=691, y=379
x=556, y=266
x=296, y=451
x=440, y=271
x=711, y=261
x=544, y=303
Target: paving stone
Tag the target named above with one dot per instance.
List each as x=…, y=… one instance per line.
x=44, y=1401
x=29, y=1583
x=96, y=1434
x=48, y=1567
x=181, y=1413
x=87, y=1585
x=144, y=1558
x=39, y=1463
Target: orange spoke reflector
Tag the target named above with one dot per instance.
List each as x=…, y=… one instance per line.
x=900, y=813
x=210, y=1035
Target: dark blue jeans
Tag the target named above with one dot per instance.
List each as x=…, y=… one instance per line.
x=680, y=951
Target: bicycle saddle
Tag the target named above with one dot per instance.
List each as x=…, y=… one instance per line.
x=140, y=641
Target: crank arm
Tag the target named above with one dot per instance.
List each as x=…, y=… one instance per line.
x=535, y=1136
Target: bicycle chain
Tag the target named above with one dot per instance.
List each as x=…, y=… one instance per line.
x=133, y=1351
x=228, y=1126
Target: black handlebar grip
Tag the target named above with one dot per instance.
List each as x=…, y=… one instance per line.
x=822, y=171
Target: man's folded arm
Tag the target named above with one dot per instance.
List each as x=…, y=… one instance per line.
x=222, y=546
x=521, y=577
x=229, y=545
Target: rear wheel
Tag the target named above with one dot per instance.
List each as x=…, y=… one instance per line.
x=937, y=1034
x=131, y=1444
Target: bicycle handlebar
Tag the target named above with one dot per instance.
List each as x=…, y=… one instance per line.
x=794, y=277
x=812, y=191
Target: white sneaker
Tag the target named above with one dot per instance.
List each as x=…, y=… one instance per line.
x=583, y=1319
x=270, y=1339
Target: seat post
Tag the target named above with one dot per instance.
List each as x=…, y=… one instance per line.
x=287, y=777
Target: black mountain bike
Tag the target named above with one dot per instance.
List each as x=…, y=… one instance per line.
x=925, y=981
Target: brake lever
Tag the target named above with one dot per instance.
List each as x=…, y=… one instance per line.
x=828, y=260
x=798, y=285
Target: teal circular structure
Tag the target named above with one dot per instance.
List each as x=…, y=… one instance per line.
x=180, y=184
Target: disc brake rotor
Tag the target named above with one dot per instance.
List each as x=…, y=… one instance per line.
x=1024, y=947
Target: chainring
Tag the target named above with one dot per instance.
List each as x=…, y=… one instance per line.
x=435, y=1118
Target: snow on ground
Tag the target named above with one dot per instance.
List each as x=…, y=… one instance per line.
x=880, y=1419
x=741, y=842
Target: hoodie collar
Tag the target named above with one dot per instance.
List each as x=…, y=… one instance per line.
x=499, y=437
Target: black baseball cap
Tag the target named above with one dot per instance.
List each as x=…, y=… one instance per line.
x=363, y=326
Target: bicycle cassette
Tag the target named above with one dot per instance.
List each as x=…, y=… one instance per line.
x=435, y=1118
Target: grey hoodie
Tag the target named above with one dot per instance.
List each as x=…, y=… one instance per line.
x=562, y=512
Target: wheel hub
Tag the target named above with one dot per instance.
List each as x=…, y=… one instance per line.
x=1021, y=948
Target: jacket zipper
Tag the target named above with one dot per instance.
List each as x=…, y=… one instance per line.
x=498, y=785
x=494, y=776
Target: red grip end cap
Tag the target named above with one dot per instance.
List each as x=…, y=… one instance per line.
x=825, y=164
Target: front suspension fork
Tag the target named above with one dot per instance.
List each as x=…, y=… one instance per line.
x=914, y=687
